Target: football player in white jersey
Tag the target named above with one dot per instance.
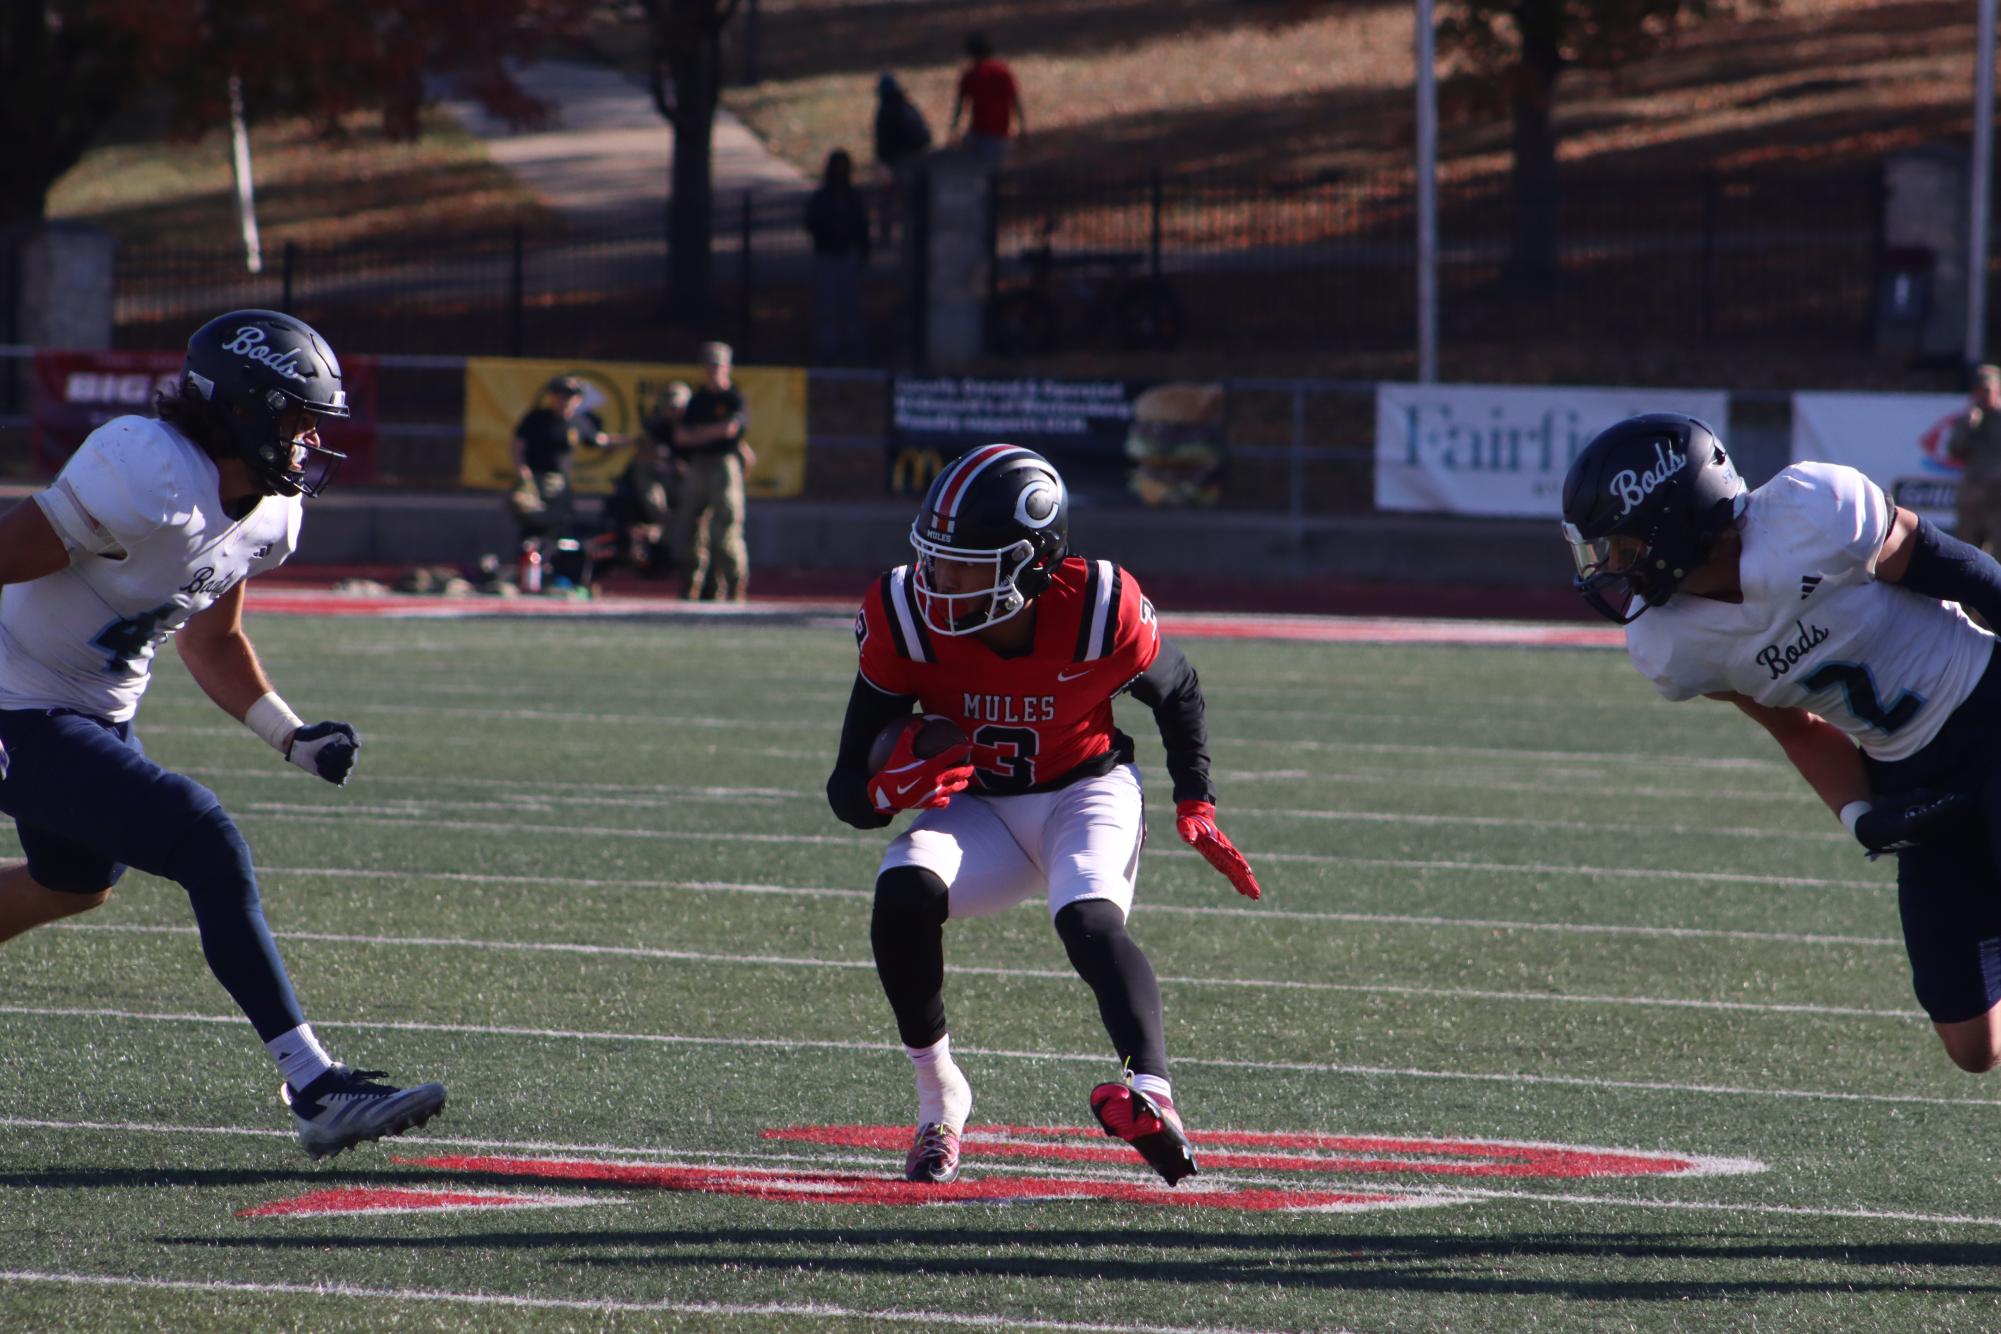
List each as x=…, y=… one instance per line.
x=1832, y=618
x=149, y=533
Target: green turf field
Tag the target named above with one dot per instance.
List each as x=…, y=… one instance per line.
x=586, y=876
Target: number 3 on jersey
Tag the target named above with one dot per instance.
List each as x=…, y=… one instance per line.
x=123, y=641
x=1007, y=757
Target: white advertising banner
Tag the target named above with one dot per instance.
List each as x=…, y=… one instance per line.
x=1897, y=439
x=1502, y=449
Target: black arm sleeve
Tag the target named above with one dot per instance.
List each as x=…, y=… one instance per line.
x=1172, y=690
x=1946, y=568
x=869, y=711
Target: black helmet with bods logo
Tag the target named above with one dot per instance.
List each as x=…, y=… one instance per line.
x=263, y=378
x=1643, y=504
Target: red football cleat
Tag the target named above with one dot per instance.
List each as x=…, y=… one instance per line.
x=934, y=1155
x=1149, y=1124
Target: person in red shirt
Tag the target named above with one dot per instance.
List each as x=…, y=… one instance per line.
x=1024, y=646
x=987, y=86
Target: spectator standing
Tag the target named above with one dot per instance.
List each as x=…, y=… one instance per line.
x=837, y=220
x=707, y=527
x=545, y=439
x=988, y=89
x=1975, y=444
x=642, y=497
x=901, y=138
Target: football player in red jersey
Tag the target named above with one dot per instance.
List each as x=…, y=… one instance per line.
x=997, y=627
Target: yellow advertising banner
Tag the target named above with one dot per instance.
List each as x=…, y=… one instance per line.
x=624, y=394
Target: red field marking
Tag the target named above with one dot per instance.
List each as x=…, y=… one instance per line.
x=293, y=601
x=1328, y=1153
x=801, y=1187
x=365, y=1200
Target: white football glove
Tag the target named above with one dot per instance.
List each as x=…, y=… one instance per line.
x=326, y=749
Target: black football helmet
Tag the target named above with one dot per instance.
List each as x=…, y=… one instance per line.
x=253, y=367
x=1642, y=506
x=1001, y=506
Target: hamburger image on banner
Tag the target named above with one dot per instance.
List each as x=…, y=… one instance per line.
x=1176, y=443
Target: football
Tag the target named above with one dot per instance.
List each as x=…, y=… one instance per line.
x=935, y=735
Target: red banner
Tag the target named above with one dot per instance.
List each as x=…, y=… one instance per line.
x=77, y=392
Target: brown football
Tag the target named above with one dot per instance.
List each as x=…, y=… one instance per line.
x=935, y=735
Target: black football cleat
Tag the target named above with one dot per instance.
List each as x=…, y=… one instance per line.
x=934, y=1155
x=1148, y=1123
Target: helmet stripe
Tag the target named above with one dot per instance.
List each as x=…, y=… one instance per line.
x=1104, y=610
x=953, y=486
x=910, y=640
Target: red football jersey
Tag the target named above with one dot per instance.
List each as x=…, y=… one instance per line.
x=1039, y=716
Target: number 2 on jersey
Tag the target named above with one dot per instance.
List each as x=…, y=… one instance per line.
x=123, y=641
x=1858, y=687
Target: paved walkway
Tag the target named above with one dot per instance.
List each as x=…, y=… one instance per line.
x=605, y=161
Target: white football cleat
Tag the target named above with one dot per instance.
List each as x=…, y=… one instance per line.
x=343, y=1107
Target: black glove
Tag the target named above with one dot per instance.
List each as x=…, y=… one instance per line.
x=326, y=749
x=1906, y=820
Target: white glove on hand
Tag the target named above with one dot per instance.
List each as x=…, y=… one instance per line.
x=326, y=749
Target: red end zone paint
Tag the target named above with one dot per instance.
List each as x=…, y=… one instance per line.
x=805, y=1187
x=1282, y=1152
x=365, y=1200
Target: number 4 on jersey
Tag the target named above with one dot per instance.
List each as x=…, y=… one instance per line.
x=124, y=640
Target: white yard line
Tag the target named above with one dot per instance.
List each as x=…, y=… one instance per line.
x=1083, y=1058
x=298, y=814
x=532, y=797
x=1222, y=910
x=786, y=1310
x=1038, y=974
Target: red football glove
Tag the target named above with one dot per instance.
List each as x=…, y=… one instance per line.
x=907, y=782
x=1195, y=821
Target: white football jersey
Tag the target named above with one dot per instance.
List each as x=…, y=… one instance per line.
x=150, y=546
x=1816, y=629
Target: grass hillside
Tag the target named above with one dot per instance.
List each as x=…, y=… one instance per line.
x=1279, y=88
x=1257, y=87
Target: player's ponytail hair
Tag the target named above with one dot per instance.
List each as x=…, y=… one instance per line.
x=194, y=417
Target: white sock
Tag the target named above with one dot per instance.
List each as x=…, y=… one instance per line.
x=944, y=1097
x=1154, y=1086
x=300, y=1057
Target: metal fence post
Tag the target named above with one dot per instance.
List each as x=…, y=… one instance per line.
x=743, y=278
x=516, y=293
x=1154, y=246
x=1712, y=202
x=288, y=267
x=919, y=284
x=1295, y=467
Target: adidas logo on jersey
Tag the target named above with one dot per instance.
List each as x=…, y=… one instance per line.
x=1807, y=584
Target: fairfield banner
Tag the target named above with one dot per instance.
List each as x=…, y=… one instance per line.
x=1897, y=439
x=1502, y=450
x=624, y=395
x=78, y=391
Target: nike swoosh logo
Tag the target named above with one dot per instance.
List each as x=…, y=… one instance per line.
x=902, y=788
x=1071, y=676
